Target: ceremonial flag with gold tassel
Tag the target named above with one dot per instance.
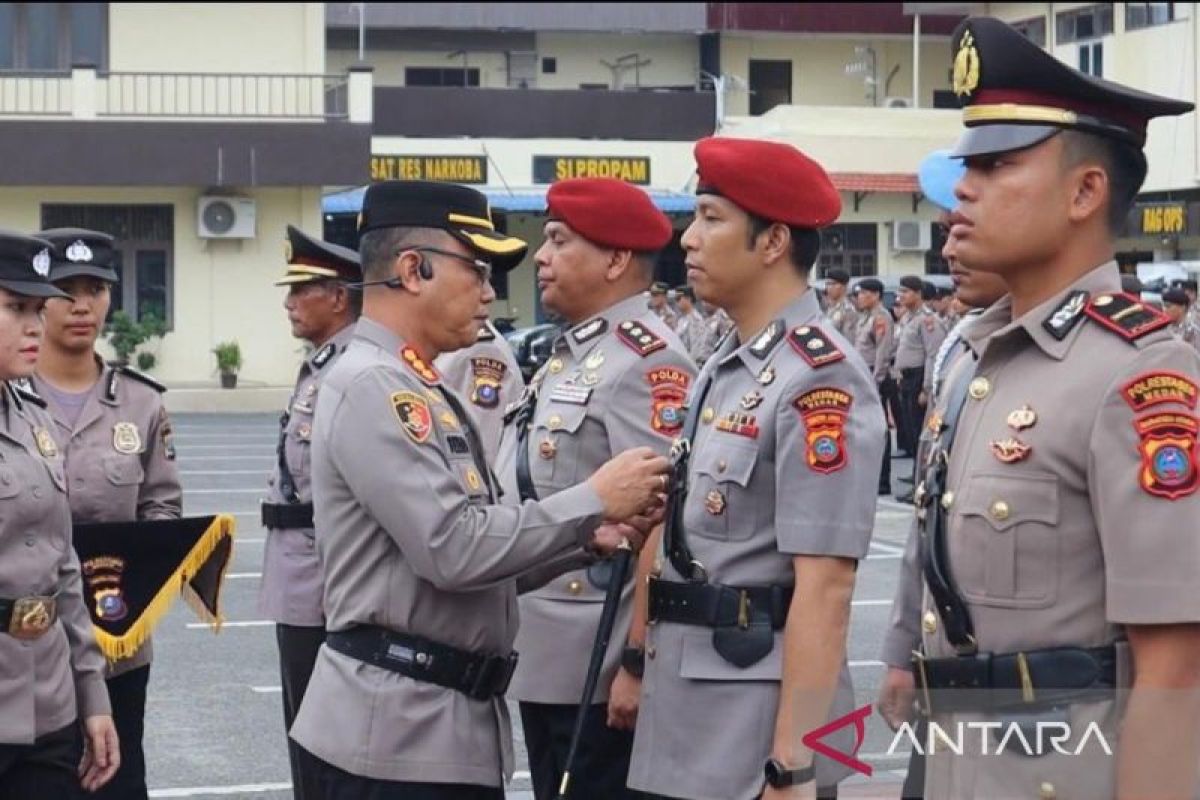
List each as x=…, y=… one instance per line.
x=132, y=572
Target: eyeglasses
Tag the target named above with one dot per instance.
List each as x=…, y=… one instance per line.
x=483, y=269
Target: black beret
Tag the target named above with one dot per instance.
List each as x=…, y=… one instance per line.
x=928, y=290
x=75, y=251
x=1015, y=94
x=25, y=265
x=685, y=291
x=1176, y=297
x=461, y=211
x=945, y=291
x=913, y=282
x=1189, y=283
x=310, y=259
x=838, y=275
x=870, y=285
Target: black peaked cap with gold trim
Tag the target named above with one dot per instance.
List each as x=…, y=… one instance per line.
x=311, y=259
x=459, y=210
x=1015, y=94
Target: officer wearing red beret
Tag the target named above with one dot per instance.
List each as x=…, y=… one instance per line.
x=772, y=502
x=617, y=379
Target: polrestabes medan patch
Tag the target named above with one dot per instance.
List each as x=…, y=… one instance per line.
x=1125, y=315
x=814, y=346
x=1170, y=465
x=413, y=413
x=824, y=411
x=1155, y=388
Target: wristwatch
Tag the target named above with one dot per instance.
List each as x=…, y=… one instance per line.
x=780, y=777
x=633, y=660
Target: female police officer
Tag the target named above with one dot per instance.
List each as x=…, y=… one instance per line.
x=51, y=671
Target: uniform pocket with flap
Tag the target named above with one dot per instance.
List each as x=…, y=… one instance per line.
x=555, y=445
x=1008, y=547
x=719, y=504
x=700, y=661
x=123, y=470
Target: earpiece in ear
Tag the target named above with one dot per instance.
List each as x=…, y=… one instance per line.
x=425, y=269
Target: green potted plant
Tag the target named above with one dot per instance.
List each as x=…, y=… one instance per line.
x=126, y=335
x=229, y=361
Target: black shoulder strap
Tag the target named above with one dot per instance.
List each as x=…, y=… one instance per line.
x=674, y=536
x=141, y=377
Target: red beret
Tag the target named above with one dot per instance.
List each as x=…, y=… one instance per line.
x=610, y=213
x=768, y=179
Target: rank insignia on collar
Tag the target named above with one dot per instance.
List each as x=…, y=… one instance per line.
x=1170, y=465
x=824, y=411
x=639, y=338
x=814, y=346
x=485, y=334
x=1010, y=450
x=1154, y=388
x=766, y=340
x=1066, y=315
x=413, y=413
x=489, y=374
x=1024, y=417
x=323, y=355
x=589, y=330
x=126, y=438
x=739, y=424
x=668, y=391
x=45, y=443
x=417, y=364
x=448, y=419
x=1125, y=315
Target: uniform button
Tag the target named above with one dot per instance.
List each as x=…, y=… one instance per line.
x=650, y=651
x=554, y=423
x=1000, y=511
x=78, y=481
x=37, y=491
x=947, y=500
x=929, y=622
x=1047, y=792
x=722, y=465
x=707, y=415
x=979, y=388
x=29, y=542
x=575, y=587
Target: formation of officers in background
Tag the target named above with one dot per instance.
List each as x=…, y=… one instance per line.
x=443, y=537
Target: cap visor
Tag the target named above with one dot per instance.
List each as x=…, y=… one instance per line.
x=301, y=277
x=984, y=140
x=505, y=252
x=33, y=289
x=75, y=270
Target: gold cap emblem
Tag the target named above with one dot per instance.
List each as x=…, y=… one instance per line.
x=966, y=66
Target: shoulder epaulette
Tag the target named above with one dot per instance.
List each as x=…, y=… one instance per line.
x=25, y=392
x=1125, y=315
x=814, y=346
x=639, y=338
x=485, y=334
x=141, y=377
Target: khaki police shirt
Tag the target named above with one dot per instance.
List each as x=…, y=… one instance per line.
x=845, y=318
x=917, y=341
x=1091, y=529
x=614, y=382
x=48, y=682
x=120, y=461
x=785, y=462
x=488, y=376
x=875, y=340
x=290, y=592
x=409, y=540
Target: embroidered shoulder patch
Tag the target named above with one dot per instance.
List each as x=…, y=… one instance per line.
x=814, y=346
x=1170, y=465
x=639, y=338
x=413, y=413
x=417, y=364
x=489, y=374
x=824, y=411
x=668, y=390
x=1156, y=388
x=1125, y=315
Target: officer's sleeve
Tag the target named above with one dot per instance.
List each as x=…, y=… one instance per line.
x=160, y=496
x=1143, y=475
x=885, y=333
x=828, y=452
x=903, y=634
x=87, y=662
x=409, y=486
x=645, y=406
x=933, y=333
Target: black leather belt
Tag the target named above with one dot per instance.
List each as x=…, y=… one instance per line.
x=28, y=617
x=715, y=605
x=480, y=677
x=287, y=515
x=986, y=681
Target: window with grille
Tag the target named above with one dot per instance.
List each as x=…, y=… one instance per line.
x=144, y=252
x=1145, y=15
x=853, y=247
x=441, y=76
x=1032, y=29
x=1090, y=22
x=53, y=36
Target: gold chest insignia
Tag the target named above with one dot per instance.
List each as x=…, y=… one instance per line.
x=45, y=443
x=126, y=438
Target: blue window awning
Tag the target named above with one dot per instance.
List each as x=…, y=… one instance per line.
x=527, y=199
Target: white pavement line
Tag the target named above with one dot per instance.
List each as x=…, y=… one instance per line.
x=245, y=788
x=852, y=664
x=233, y=576
x=889, y=549
x=852, y=602
x=888, y=557
x=227, y=491
x=266, y=689
x=259, y=434
x=262, y=448
x=266, y=456
x=246, y=623
x=224, y=471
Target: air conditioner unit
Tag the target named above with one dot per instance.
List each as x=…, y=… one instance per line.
x=911, y=235
x=225, y=218
x=897, y=102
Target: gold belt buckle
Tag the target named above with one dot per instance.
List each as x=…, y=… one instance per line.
x=32, y=617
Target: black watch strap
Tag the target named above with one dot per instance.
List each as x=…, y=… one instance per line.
x=780, y=777
x=633, y=660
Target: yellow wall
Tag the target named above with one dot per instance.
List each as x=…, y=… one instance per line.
x=217, y=37
x=674, y=60
x=222, y=289
x=390, y=64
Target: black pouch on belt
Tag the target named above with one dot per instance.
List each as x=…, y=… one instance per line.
x=745, y=645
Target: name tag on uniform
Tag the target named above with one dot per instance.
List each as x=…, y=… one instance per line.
x=575, y=395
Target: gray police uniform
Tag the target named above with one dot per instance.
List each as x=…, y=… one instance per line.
x=845, y=318
x=1186, y=330
x=614, y=382
x=411, y=546
x=784, y=462
x=488, y=375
